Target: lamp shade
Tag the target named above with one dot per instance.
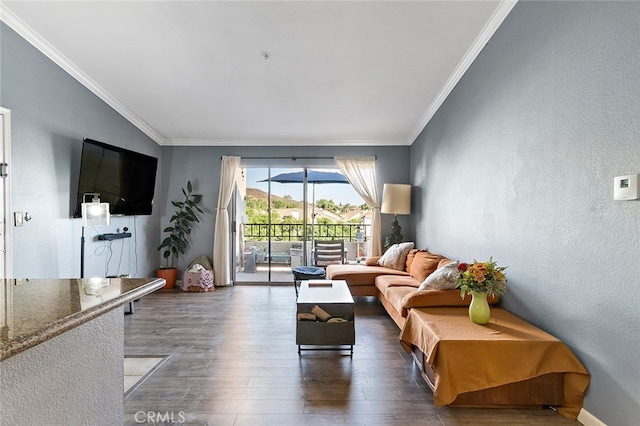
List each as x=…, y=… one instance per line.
x=396, y=199
x=95, y=214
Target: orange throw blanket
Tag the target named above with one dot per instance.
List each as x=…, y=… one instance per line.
x=467, y=357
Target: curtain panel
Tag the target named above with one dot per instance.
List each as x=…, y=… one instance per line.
x=361, y=174
x=222, y=240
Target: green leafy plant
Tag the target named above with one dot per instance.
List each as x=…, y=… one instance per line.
x=181, y=224
x=482, y=277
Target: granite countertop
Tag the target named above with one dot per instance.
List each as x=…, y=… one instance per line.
x=35, y=310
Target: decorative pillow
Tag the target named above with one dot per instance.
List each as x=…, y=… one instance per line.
x=395, y=256
x=443, y=262
x=443, y=278
x=410, y=256
x=424, y=263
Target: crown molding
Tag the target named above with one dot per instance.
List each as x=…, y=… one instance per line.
x=284, y=142
x=35, y=39
x=492, y=25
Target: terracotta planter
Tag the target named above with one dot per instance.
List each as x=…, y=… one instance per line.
x=169, y=275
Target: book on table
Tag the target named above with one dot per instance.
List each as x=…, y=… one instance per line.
x=320, y=283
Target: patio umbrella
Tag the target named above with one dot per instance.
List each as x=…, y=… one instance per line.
x=313, y=177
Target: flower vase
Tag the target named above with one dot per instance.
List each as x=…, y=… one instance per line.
x=479, y=311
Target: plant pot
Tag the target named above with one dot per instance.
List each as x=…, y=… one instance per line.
x=169, y=275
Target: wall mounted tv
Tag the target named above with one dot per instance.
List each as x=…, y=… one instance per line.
x=124, y=179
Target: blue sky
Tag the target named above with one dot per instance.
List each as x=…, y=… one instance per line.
x=339, y=193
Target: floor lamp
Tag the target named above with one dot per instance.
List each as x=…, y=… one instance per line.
x=396, y=199
x=94, y=213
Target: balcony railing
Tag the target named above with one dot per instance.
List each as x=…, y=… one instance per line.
x=349, y=232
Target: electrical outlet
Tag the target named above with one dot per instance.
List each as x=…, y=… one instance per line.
x=18, y=218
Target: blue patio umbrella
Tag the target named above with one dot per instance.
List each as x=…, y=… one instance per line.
x=313, y=176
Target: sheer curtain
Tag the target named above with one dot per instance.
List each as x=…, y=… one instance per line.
x=221, y=241
x=361, y=174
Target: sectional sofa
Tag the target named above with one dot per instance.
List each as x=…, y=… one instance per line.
x=528, y=367
x=396, y=288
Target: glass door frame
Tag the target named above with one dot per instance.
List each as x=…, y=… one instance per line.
x=236, y=223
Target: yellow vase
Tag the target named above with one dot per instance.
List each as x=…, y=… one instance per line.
x=479, y=311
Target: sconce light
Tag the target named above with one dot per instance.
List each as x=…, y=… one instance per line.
x=94, y=213
x=396, y=199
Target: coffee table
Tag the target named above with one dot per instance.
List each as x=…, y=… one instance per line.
x=335, y=298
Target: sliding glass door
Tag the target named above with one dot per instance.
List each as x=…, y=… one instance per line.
x=273, y=226
x=279, y=212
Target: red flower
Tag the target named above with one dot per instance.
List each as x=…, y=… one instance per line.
x=462, y=267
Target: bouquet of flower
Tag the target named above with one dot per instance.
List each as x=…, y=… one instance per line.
x=481, y=277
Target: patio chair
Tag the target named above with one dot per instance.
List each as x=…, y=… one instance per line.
x=328, y=252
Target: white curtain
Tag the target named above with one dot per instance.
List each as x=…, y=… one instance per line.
x=221, y=241
x=361, y=174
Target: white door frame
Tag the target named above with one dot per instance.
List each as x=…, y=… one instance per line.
x=6, y=222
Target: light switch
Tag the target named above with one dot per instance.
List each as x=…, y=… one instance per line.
x=18, y=218
x=625, y=187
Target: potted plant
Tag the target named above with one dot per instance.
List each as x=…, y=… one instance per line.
x=177, y=240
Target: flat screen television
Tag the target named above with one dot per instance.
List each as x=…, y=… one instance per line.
x=125, y=179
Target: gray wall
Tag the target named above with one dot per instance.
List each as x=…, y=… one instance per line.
x=51, y=113
x=201, y=165
x=518, y=164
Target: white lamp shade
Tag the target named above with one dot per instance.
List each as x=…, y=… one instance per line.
x=96, y=214
x=396, y=199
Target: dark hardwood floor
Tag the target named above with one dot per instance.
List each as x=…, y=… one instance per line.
x=233, y=361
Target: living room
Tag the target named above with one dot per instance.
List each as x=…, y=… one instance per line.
x=517, y=163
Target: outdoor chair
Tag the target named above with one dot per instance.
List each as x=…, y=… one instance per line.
x=328, y=252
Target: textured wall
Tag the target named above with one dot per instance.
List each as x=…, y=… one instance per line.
x=201, y=165
x=51, y=113
x=75, y=378
x=519, y=164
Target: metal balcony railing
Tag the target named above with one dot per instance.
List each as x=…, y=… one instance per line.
x=295, y=231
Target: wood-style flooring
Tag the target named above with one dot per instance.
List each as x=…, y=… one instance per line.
x=233, y=361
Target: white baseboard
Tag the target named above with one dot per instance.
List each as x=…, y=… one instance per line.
x=588, y=419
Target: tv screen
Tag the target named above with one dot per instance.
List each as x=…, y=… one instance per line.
x=125, y=179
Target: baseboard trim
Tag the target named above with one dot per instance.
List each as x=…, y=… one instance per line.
x=588, y=419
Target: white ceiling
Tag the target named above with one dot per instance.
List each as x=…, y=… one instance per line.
x=194, y=72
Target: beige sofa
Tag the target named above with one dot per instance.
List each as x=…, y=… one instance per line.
x=398, y=289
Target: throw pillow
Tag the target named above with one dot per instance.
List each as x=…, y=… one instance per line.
x=424, y=263
x=410, y=256
x=443, y=278
x=395, y=256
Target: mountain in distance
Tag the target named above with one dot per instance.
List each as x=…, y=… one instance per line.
x=262, y=195
x=353, y=213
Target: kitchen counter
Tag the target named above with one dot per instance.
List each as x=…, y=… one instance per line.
x=62, y=348
x=33, y=311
